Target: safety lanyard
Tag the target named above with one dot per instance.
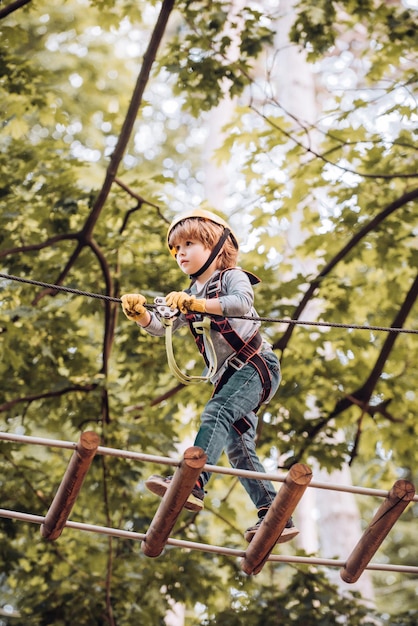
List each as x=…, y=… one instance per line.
x=202, y=328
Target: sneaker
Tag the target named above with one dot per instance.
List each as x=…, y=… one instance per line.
x=159, y=485
x=289, y=532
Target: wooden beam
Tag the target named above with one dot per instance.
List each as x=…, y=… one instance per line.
x=291, y=491
x=175, y=497
x=70, y=486
x=387, y=514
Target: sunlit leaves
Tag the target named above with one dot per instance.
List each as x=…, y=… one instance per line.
x=70, y=363
x=310, y=598
x=389, y=25
x=213, y=52
x=316, y=24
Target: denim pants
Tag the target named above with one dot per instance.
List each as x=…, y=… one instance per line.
x=239, y=397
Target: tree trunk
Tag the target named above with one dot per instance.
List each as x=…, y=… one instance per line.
x=329, y=521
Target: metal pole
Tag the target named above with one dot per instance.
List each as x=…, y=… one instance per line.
x=163, y=460
x=387, y=514
x=182, y=483
x=70, y=486
x=203, y=547
x=277, y=516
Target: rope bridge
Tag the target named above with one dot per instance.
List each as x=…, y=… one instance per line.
x=188, y=469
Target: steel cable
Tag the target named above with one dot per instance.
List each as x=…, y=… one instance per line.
x=271, y=320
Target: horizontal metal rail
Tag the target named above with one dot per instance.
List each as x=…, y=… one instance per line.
x=203, y=547
x=163, y=460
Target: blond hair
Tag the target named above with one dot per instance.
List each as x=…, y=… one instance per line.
x=208, y=233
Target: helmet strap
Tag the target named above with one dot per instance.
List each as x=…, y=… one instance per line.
x=215, y=251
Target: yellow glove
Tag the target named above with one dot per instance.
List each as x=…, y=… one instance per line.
x=185, y=302
x=132, y=306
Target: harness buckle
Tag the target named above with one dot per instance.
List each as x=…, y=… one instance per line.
x=164, y=310
x=236, y=362
x=214, y=287
x=246, y=353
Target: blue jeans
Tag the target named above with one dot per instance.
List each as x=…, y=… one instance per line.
x=239, y=397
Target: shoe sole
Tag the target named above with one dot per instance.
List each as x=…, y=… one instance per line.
x=287, y=535
x=192, y=503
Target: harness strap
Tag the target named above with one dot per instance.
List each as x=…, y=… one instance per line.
x=258, y=362
x=245, y=352
x=202, y=327
x=216, y=250
x=243, y=349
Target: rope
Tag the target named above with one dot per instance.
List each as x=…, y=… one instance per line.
x=213, y=469
x=204, y=547
x=78, y=292
x=202, y=327
x=272, y=320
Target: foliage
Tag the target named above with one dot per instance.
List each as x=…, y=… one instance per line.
x=214, y=51
x=309, y=599
x=91, y=175
x=389, y=25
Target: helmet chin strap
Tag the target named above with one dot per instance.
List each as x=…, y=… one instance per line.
x=216, y=250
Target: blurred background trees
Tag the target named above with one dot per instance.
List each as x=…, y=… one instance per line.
x=297, y=122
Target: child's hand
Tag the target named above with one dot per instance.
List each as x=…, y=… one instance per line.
x=132, y=306
x=185, y=302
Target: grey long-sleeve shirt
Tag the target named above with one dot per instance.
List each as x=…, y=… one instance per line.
x=236, y=297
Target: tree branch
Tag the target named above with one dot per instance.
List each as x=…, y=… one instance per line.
x=365, y=392
x=109, y=568
x=322, y=157
x=39, y=246
x=131, y=115
x=48, y=394
x=125, y=134
x=13, y=6
x=161, y=398
x=140, y=201
x=376, y=221
x=362, y=396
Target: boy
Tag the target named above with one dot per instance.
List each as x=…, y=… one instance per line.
x=247, y=372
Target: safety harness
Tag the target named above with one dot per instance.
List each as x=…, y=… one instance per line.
x=246, y=351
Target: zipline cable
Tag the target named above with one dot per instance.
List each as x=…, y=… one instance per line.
x=99, y=296
x=78, y=292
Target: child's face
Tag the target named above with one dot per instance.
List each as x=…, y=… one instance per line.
x=191, y=255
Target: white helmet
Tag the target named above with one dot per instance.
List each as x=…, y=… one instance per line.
x=204, y=215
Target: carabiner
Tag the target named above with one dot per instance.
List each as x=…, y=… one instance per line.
x=164, y=310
